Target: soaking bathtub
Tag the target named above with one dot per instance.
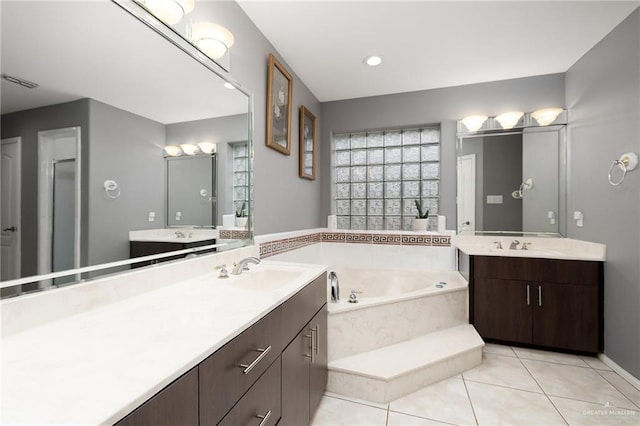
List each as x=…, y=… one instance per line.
x=392, y=306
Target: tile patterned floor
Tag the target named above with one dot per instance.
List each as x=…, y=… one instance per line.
x=513, y=386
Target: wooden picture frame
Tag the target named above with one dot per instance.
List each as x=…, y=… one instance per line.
x=308, y=144
x=279, y=95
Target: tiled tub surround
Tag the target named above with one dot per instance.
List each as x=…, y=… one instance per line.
x=273, y=244
x=120, y=340
x=539, y=247
x=405, y=332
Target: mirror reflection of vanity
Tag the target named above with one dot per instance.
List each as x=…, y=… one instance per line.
x=512, y=181
x=86, y=143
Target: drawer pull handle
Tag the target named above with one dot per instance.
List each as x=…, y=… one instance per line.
x=264, y=418
x=528, y=296
x=263, y=353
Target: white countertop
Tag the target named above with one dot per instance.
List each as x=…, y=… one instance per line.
x=539, y=247
x=97, y=366
x=168, y=235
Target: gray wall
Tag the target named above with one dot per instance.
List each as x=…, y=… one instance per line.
x=27, y=124
x=502, y=175
x=602, y=92
x=126, y=148
x=283, y=201
x=434, y=106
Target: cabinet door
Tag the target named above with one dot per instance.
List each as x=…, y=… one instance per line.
x=566, y=316
x=318, y=368
x=177, y=404
x=295, y=380
x=503, y=309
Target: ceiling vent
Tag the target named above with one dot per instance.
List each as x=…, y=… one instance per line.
x=21, y=82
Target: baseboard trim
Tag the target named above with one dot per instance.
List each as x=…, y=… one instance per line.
x=635, y=382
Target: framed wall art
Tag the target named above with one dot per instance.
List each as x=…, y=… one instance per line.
x=279, y=95
x=307, y=144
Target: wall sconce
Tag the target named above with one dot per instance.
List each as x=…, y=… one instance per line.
x=508, y=120
x=189, y=148
x=546, y=116
x=474, y=122
x=168, y=11
x=172, y=150
x=212, y=39
x=207, y=147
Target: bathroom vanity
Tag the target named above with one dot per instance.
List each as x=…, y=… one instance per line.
x=551, y=300
x=286, y=349
x=156, y=349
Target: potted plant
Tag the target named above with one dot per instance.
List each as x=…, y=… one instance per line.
x=241, y=215
x=422, y=219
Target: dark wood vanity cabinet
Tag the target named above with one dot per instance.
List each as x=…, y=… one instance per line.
x=177, y=404
x=147, y=248
x=304, y=360
x=556, y=304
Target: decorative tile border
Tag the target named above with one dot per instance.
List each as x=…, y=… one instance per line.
x=274, y=247
x=230, y=234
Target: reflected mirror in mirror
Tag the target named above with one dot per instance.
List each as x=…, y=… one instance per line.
x=90, y=96
x=512, y=182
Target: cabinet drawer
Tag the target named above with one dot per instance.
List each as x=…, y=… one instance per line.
x=177, y=404
x=262, y=400
x=540, y=270
x=301, y=307
x=222, y=378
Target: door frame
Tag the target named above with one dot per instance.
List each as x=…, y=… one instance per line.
x=46, y=158
x=18, y=203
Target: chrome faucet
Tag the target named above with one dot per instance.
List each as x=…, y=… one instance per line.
x=180, y=234
x=525, y=246
x=243, y=265
x=514, y=245
x=335, y=287
x=498, y=245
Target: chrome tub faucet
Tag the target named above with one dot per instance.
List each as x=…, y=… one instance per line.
x=514, y=245
x=335, y=287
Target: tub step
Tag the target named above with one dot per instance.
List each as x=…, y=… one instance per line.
x=388, y=373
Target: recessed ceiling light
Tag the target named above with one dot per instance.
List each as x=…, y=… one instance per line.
x=229, y=86
x=373, y=60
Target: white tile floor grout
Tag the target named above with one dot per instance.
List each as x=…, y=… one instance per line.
x=513, y=386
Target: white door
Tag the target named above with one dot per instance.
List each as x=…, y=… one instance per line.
x=10, y=209
x=467, y=193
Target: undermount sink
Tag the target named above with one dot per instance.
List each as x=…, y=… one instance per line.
x=264, y=278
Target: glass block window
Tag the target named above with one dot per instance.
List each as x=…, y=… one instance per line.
x=379, y=175
x=240, y=178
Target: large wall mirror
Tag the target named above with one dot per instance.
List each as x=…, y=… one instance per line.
x=90, y=96
x=512, y=181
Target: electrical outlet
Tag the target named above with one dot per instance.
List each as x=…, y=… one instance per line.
x=152, y=216
x=178, y=216
x=579, y=218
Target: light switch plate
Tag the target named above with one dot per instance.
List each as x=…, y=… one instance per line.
x=494, y=199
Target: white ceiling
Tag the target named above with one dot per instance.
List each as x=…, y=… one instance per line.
x=429, y=44
x=94, y=49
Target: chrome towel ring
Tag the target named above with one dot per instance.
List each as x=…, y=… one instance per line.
x=111, y=188
x=627, y=162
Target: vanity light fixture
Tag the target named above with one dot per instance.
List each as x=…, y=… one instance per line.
x=189, y=148
x=508, y=120
x=168, y=11
x=373, y=60
x=172, y=150
x=207, y=147
x=212, y=39
x=474, y=122
x=546, y=116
